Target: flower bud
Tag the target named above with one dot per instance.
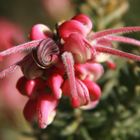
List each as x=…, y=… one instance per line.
x=55, y=81
x=69, y=27
x=85, y=20
x=46, y=109
x=40, y=31
x=30, y=87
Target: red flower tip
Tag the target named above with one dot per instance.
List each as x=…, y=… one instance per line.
x=111, y=65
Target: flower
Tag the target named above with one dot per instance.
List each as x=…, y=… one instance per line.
x=65, y=63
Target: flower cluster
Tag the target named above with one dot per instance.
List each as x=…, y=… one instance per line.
x=73, y=75
x=65, y=62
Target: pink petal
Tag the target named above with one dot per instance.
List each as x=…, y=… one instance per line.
x=85, y=20
x=82, y=91
x=33, y=86
x=91, y=71
x=55, y=81
x=94, y=90
x=77, y=46
x=46, y=109
x=40, y=31
x=69, y=27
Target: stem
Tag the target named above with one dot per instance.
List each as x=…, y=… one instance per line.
x=108, y=50
x=116, y=31
x=123, y=40
x=69, y=62
x=20, y=48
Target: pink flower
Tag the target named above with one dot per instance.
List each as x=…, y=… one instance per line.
x=42, y=108
x=91, y=71
x=41, y=105
x=65, y=63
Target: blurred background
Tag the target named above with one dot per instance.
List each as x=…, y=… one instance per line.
x=117, y=117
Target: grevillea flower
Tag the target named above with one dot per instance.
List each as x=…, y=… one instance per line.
x=65, y=63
